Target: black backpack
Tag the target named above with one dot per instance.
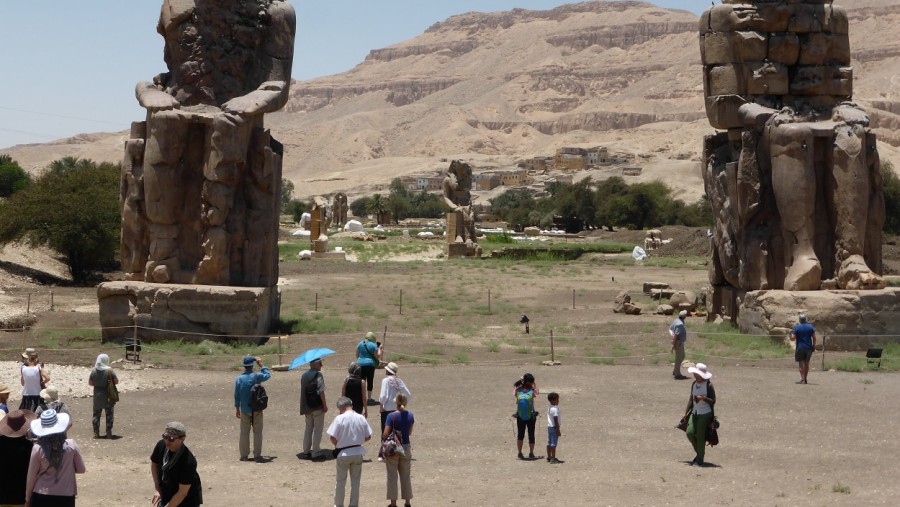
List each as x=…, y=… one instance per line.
x=259, y=398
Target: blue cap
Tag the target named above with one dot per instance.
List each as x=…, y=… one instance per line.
x=249, y=361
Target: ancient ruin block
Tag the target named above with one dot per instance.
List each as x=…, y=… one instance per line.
x=733, y=47
x=823, y=80
x=784, y=48
x=722, y=111
x=767, y=79
x=726, y=80
x=807, y=18
x=764, y=17
x=824, y=49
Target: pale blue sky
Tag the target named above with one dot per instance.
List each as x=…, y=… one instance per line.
x=70, y=66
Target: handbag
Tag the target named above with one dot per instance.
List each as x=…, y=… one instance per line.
x=392, y=446
x=682, y=424
x=112, y=392
x=712, y=433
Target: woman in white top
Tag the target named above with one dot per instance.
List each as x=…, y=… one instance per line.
x=391, y=386
x=699, y=410
x=33, y=378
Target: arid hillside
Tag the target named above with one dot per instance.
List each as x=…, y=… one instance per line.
x=494, y=88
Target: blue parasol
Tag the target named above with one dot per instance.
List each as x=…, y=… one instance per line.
x=309, y=356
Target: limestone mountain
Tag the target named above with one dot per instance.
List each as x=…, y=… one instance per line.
x=497, y=87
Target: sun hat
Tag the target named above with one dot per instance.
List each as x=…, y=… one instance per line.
x=683, y=313
x=29, y=352
x=50, y=393
x=49, y=423
x=700, y=369
x=392, y=368
x=371, y=336
x=248, y=361
x=102, y=362
x=16, y=423
x=176, y=428
x=4, y=389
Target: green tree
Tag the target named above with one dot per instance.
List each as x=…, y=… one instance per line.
x=296, y=208
x=378, y=206
x=12, y=177
x=891, y=185
x=72, y=208
x=287, y=194
x=360, y=207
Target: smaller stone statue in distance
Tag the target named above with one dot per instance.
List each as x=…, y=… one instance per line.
x=457, y=186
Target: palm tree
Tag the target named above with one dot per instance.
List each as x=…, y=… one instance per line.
x=378, y=207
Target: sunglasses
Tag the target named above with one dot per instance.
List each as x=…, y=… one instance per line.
x=170, y=438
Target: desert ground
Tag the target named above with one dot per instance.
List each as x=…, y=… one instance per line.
x=832, y=442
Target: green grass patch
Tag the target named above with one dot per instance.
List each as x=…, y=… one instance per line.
x=840, y=488
x=461, y=357
x=434, y=351
x=492, y=345
x=413, y=359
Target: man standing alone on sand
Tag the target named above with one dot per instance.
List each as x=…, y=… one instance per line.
x=805, y=336
x=679, y=335
x=242, y=410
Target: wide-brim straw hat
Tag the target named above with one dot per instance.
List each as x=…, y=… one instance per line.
x=392, y=368
x=50, y=393
x=50, y=423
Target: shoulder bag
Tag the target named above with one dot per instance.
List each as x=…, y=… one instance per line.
x=112, y=392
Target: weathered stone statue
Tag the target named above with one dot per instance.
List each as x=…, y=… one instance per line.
x=794, y=179
x=339, y=209
x=201, y=178
x=457, y=187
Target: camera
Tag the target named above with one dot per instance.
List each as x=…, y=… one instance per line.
x=519, y=383
x=378, y=343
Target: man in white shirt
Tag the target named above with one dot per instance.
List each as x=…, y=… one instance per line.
x=348, y=432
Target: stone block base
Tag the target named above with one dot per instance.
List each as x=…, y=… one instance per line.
x=846, y=319
x=342, y=256
x=188, y=312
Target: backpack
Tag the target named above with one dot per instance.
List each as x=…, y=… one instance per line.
x=259, y=398
x=525, y=404
x=313, y=400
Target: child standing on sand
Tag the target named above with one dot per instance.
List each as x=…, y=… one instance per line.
x=554, y=428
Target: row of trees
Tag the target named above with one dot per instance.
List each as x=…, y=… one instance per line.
x=609, y=203
x=73, y=208
x=400, y=204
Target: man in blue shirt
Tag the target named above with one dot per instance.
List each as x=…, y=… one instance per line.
x=249, y=418
x=679, y=335
x=805, y=336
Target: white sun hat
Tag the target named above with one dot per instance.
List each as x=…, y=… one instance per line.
x=49, y=423
x=700, y=369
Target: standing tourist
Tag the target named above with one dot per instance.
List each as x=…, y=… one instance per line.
x=399, y=465
x=50, y=399
x=33, y=378
x=314, y=406
x=355, y=388
x=55, y=459
x=174, y=471
x=15, y=450
x=391, y=386
x=368, y=357
x=242, y=410
x=679, y=335
x=699, y=410
x=805, y=336
x=526, y=416
x=100, y=377
x=348, y=432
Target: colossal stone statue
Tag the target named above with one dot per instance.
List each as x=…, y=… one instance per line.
x=457, y=187
x=201, y=178
x=794, y=179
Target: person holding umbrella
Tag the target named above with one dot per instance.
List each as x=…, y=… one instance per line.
x=314, y=406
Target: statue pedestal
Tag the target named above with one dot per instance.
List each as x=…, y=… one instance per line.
x=847, y=319
x=188, y=312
